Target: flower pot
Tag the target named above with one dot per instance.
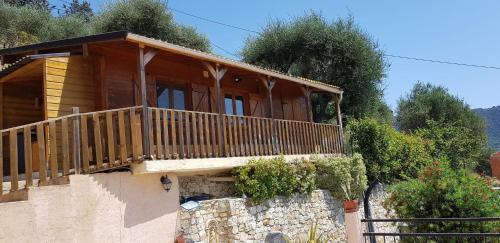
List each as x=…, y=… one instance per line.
x=351, y=206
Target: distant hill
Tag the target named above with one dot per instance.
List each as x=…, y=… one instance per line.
x=492, y=117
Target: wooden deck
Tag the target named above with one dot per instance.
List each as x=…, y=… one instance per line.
x=47, y=151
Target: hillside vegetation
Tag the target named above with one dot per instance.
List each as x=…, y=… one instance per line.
x=492, y=117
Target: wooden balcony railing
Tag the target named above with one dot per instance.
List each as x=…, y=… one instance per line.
x=41, y=152
x=188, y=134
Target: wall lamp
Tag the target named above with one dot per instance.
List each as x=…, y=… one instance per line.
x=237, y=79
x=166, y=183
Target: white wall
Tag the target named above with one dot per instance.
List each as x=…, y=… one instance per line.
x=113, y=207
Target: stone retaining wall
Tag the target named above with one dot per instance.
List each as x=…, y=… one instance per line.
x=194, y=185
x=236, y=220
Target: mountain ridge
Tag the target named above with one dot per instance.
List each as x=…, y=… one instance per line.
x=492, y=117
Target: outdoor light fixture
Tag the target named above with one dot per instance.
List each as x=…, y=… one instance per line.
x=166, y=183
x=237, y=79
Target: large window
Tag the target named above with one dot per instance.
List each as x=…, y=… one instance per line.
x=170, y=97
x=234, y=105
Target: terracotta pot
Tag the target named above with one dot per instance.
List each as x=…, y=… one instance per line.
x=351, y=206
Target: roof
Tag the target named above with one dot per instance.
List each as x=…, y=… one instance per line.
x=162, y=45
x=9, y=68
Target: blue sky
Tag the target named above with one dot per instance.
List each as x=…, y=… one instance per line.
x=457, y=31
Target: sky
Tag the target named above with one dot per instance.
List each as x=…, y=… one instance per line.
x=454, y=30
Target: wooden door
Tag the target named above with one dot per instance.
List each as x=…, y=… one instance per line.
x=300, y=109
x=287, y=109
x=256, y=105
x=200, y=98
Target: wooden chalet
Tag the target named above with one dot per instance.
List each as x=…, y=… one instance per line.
x=97, y=102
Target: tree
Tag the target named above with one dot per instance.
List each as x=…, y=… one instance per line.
x=75, y=8
x=441, y=192
x=428, y=102
x=454, y=144
x=337, y=53
x=28, y=24
x=149, y=18
x=41, y=4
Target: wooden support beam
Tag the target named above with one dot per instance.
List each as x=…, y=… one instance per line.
x=338, y=98
x=85, y=50
x=218, y=73
x=144, y=102
x=307, y=93
x=149, y=56
x=1, y=106
x=269, y=84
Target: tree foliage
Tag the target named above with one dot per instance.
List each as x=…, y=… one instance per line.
x=337, y=53
x=40, y=4
x=455, y=144
x=148, y=18
x=428, y=102
x=26, y=24
x=389, y=154
x=75, y=8
x=441, y=192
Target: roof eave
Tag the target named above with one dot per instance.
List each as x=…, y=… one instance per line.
x=226, y=62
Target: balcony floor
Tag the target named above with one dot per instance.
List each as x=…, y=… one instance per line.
x=205, y=165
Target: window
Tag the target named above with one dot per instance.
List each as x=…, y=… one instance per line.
x=170, y=97
x=234, y=105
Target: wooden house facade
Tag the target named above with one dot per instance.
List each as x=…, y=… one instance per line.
x=92, y=103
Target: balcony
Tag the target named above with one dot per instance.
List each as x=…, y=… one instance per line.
x=46, y=152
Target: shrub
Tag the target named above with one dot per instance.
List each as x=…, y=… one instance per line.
x=454, y=143
x=344, y=177
x=263, y=179
x=441, y=192
x=389, y=155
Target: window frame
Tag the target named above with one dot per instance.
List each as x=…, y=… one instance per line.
x=171, y=86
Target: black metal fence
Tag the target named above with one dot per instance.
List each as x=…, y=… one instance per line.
x=431, y=230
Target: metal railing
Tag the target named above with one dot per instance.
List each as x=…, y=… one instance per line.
x=412, y=230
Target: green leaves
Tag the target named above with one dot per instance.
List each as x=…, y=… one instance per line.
x=267, y=178
x=344, y=177
x=389, y=155
x=28, y=24
x=337, y=53
x=441, y=192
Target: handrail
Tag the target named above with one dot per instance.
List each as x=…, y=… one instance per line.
x=100, y=140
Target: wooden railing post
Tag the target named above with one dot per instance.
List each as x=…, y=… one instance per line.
x=338, y=99
x=76, y=141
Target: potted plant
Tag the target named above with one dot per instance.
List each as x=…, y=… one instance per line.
x=344, y=177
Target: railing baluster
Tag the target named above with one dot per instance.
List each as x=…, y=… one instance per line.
x=215, y=147
x=65, y=145
x=189, y=150
x=251, y=148
x=225, y=134
x=267, y=123
x=230, y=135
x=175, y=150
x=181, y=135
x=150, y=132
x=122, y=137
x=14, y=179
x=28, y=162
x=205, y=135
x=239, y=121
x=236, y=139
x=97, y=141
x=53, y=150
x=42, y=163
x=159, y=145
x=134, y=135
x=166, y=149
x=111, y=138
x=196, y=147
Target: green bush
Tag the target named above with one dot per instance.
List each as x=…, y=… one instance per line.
x=263, y=179
x=454, y=143
x=344, y=177
x=441, y=192
x=388, y=154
